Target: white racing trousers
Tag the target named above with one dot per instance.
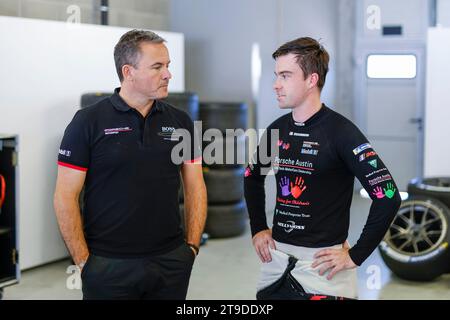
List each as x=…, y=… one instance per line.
x=343, y=284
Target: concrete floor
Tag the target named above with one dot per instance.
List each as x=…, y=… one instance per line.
x=228, y=269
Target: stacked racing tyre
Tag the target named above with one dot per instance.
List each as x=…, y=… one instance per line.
x=185, y=101
x=416, y=246
x=223, y=126
x=436, y=188
x=90, y=98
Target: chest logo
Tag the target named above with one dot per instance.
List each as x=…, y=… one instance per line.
x=117, y=130
x=310, y=147
x=169, y=134
x=295, y=190
x=284, y=145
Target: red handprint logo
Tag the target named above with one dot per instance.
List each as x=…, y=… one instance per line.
x=378, y=192
x=298, y=188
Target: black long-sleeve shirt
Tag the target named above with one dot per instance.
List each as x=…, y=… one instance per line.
x=315, y=168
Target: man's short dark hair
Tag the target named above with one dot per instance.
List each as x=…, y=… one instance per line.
x=127, y=49
x=311, y=57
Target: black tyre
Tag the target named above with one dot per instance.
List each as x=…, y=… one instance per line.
x=225, y=152
x=222, y=116
x=438, y=188
x=91, y=98
x=230, y=180
x=226, y=221
x=187, y=102
x=224, y=185
x=416, y=244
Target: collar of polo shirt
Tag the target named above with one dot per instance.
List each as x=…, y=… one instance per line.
x=121, y=105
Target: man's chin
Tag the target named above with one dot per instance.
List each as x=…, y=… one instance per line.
x=162, y=94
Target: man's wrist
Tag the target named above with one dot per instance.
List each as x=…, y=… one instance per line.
x=194, y=247
x=82, y=262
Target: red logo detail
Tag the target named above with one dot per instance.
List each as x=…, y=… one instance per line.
x=298, y=188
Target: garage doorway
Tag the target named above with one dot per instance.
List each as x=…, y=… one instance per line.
x=390, y=106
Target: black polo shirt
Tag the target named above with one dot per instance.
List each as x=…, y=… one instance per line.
x=131, y=189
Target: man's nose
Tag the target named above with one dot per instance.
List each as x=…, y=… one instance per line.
x=276, y=86
x=167, y=75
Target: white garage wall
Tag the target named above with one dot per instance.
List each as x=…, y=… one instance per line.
x=219, y=37
x=443, y=13
x=437, y=108
x=46, y=66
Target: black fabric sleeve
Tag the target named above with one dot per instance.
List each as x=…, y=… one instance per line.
x=254, y=179
x=74, y=151
x=363, y=161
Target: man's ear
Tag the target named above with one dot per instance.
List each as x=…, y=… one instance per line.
x=127, y=72
x=313, y=80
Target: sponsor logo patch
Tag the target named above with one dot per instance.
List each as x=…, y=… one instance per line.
x=388, y=192
x=298, y=134
x=310, y=151
x=380, y=179
x=117, y=130
x=168, y=133
x=373, y=163
x=167, y=129
x=283, y=145
x=310, y=147
x=310, y=144
x=289, y=226
x=292, y=203
x=375, y=172
x=366, y=155
x=361, y=148
x=66, y=153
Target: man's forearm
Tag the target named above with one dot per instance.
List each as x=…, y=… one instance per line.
x=255, y=197
x=71, y=227
x=195, y=207
x=382, y=212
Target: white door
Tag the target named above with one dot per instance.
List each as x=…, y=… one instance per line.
x=390, y=108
